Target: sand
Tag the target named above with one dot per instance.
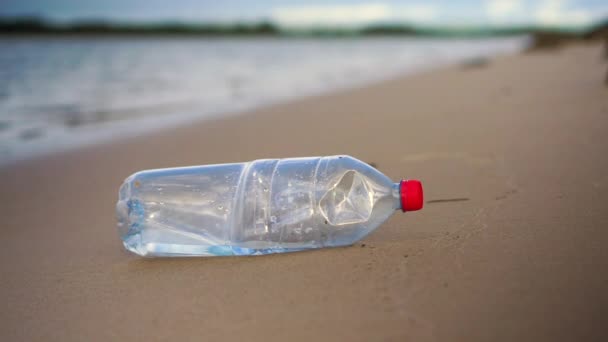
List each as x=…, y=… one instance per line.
x=510, y=246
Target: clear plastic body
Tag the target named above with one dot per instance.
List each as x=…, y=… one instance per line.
x=261, y=207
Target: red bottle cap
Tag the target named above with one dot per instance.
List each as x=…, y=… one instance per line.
x=411, y=195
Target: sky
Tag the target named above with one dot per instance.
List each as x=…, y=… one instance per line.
x=302, y=13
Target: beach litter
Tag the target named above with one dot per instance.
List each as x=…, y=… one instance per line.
x=260, y=207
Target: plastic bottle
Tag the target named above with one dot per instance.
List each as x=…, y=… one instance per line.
x=261, y=207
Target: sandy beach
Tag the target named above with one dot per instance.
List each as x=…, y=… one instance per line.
x=510, y=246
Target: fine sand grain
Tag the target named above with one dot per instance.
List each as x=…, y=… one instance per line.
x=512, y=244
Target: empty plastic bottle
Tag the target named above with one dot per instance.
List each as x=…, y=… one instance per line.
x=261, y=207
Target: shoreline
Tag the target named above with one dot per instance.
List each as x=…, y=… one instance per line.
x=510, y=245
x=106, y=132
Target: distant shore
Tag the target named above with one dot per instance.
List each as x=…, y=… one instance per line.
x=42, y=26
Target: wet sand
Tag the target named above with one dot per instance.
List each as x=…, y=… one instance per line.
x=510, y=246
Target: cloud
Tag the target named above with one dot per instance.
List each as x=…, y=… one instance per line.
x=544, y=13
x=351, y=15
x=331, y=14
x=416, y=13
x=502, y=9
x=493, y=12
x=558, y=13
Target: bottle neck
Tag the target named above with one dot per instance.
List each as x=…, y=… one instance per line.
x=396, y=196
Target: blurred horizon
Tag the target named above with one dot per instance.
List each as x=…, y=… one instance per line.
x=297, y=15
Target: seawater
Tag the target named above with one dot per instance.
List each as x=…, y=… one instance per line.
x=58, y=93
